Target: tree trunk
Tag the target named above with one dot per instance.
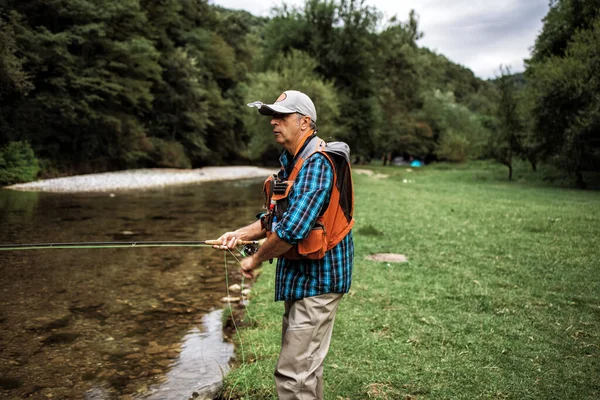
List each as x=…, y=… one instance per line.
x=580, y=182
x=533, y=163
x=510, y=171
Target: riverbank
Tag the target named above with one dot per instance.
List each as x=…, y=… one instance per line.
x=141, y=179
x=499, y=298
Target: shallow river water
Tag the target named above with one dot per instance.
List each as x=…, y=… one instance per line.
x=135, y=323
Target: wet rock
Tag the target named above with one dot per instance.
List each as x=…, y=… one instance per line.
x=107, y=373
x=47, y=392
x=134, y=356
x=143, y=389
x=60, y=338
x=235, y=288
x=230, y=299
x=88, y=376
x=157, y=349
x=46, y=324
x=58, y=323
x=163, y=218
x=10, y=383
x=78, y=308
x=213, y=279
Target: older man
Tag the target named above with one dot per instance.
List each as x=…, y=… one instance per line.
x=310, y=206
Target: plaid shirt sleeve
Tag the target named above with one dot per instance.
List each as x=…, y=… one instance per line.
x=308, y=197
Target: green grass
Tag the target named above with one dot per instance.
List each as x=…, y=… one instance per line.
x=500, y=298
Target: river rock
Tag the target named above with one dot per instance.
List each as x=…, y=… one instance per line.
x=134, y=356
x=164, y=363
x=230, y=299
x=157, y=349
x=235, y=288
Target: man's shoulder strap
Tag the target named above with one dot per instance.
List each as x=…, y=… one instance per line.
x=316, y=144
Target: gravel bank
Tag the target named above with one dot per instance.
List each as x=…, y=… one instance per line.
x=141, y=179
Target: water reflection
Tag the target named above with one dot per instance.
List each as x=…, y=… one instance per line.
x=202, y=362
x=115, y=323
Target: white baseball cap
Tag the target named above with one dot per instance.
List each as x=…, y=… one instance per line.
x=289, y=102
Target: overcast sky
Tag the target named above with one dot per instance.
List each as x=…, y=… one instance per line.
x=480, y=35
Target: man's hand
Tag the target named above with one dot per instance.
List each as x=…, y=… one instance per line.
x=228, y=241
x=249, y=264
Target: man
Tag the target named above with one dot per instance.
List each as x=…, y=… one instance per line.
x=308, y=228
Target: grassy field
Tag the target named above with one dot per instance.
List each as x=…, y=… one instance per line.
x=500, y=298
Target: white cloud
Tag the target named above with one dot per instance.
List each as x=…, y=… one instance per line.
x=480, y=35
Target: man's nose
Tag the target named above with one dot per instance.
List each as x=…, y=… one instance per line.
x=273, y=121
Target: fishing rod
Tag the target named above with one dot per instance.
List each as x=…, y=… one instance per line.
x=248, y=249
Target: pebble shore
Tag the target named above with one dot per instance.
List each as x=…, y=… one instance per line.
x=141, y=179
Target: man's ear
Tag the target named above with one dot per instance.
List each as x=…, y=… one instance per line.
x=306, y=120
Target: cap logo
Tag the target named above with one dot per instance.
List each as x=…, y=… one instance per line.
x=282, y=97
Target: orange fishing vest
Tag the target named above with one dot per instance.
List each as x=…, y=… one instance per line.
x=336, y=221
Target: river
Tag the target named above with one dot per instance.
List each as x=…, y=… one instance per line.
x=135, y=323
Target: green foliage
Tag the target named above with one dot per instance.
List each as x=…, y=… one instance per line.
x=563, y=92
x=13, y=78
x=505, y=143
x=459, y=132
x=17, y=163
x=561, y=23
x=96, y=85
x=295, y=70
x=168, y=154
x=89, y=83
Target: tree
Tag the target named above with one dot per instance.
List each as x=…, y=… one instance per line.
x=563, y=20
x=458, y=132
x=505, y=142
x=92, y=70
x=295, y=70
x=564, y=83
x=396, y=80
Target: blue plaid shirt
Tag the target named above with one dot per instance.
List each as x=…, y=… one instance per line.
x=308, y=198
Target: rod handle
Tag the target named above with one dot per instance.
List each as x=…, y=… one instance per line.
x=218, y=242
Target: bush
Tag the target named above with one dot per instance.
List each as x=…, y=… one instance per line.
x=168, y=154
x=295, y=70
x=453, y=147
x=17, y=163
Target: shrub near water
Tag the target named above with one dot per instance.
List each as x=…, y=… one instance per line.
x=17, y=163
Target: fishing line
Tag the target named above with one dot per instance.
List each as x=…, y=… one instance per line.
x=233, y=317
x=247, y=313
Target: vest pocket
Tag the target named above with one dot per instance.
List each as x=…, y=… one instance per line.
x=314, y=245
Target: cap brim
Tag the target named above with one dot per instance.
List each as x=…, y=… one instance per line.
x=270, y=109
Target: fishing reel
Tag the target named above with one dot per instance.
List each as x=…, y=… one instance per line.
x=248, y=250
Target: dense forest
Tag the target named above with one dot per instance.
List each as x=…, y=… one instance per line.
x=103, y=85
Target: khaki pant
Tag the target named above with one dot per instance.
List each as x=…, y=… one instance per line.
x=306, y=334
